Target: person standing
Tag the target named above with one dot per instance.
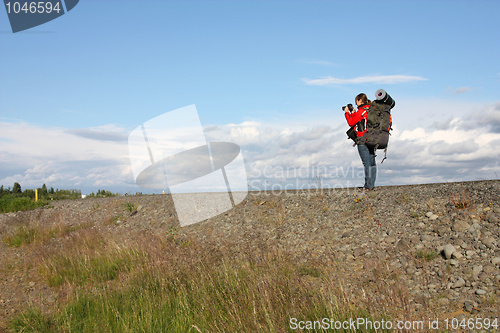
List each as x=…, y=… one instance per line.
x=358, y=119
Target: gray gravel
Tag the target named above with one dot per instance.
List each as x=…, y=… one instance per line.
x=441, y=242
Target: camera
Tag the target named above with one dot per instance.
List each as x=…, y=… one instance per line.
x=349, y=106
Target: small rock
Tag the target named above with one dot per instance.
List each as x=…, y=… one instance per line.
x=402, y=246
x=456, y=255
x=477, y=269
x=441, y=230
x=492, y=218
x=448, y=250
x=470, y=253
x=489, y=269
x=460, y=226
x=468, y=306
x=403, y=261
x=426, y=238
x=443, y=301
x=489, y=242
x=495, y=261
x=360, y=252
x=429, y=214
x=480, y=292
x=483, y=277
x=473, y=228
x=458, y=284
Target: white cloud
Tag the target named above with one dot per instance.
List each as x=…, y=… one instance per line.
x=110, y=132
x=418, y=152
x=463, y=147
x=33, y=155
x=488, y=116
x=379, y=79
x=459, y=90
x=444, y=148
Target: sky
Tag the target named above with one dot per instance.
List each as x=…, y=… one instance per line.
x=270, y=76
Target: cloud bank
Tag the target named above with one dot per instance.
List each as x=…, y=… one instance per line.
x=277, y=156
x=64, y=158
x=379, y=79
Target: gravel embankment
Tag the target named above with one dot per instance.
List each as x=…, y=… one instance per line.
x=440, y=241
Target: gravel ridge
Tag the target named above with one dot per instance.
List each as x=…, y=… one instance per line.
x=440, y=242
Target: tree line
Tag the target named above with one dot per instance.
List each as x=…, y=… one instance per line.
x=15, y=199
x=51, y=194
x=43, y=193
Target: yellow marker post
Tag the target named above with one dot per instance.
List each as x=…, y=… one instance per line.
x=36, y=195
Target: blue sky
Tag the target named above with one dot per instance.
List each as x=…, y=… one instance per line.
x=270, y=76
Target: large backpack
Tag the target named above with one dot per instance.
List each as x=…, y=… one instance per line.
x=379, y=121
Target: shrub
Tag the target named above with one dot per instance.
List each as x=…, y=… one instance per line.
x=10, y=203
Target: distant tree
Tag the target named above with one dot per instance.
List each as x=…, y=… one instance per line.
x=52, y=190
x=16, y=188
x=29, y=193
x=42, y=192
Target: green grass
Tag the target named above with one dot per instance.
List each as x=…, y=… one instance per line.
x=22, y=236
x=28, y=234
x=304, y=270
x=172, y=287
x=85, y=270
x=427, y=255
x=86, y=258
x=169, y=282
x=15, y=204
x=130, y=207
x=206, y=299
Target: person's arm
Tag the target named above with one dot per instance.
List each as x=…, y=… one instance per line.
x=354, y=118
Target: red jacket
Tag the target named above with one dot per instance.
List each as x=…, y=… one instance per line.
x=358, y=118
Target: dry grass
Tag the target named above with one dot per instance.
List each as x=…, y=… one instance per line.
x=164, y=281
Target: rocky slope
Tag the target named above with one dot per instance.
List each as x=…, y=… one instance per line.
x=433, y=249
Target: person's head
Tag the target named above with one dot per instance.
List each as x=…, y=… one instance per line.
x=361, y=99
